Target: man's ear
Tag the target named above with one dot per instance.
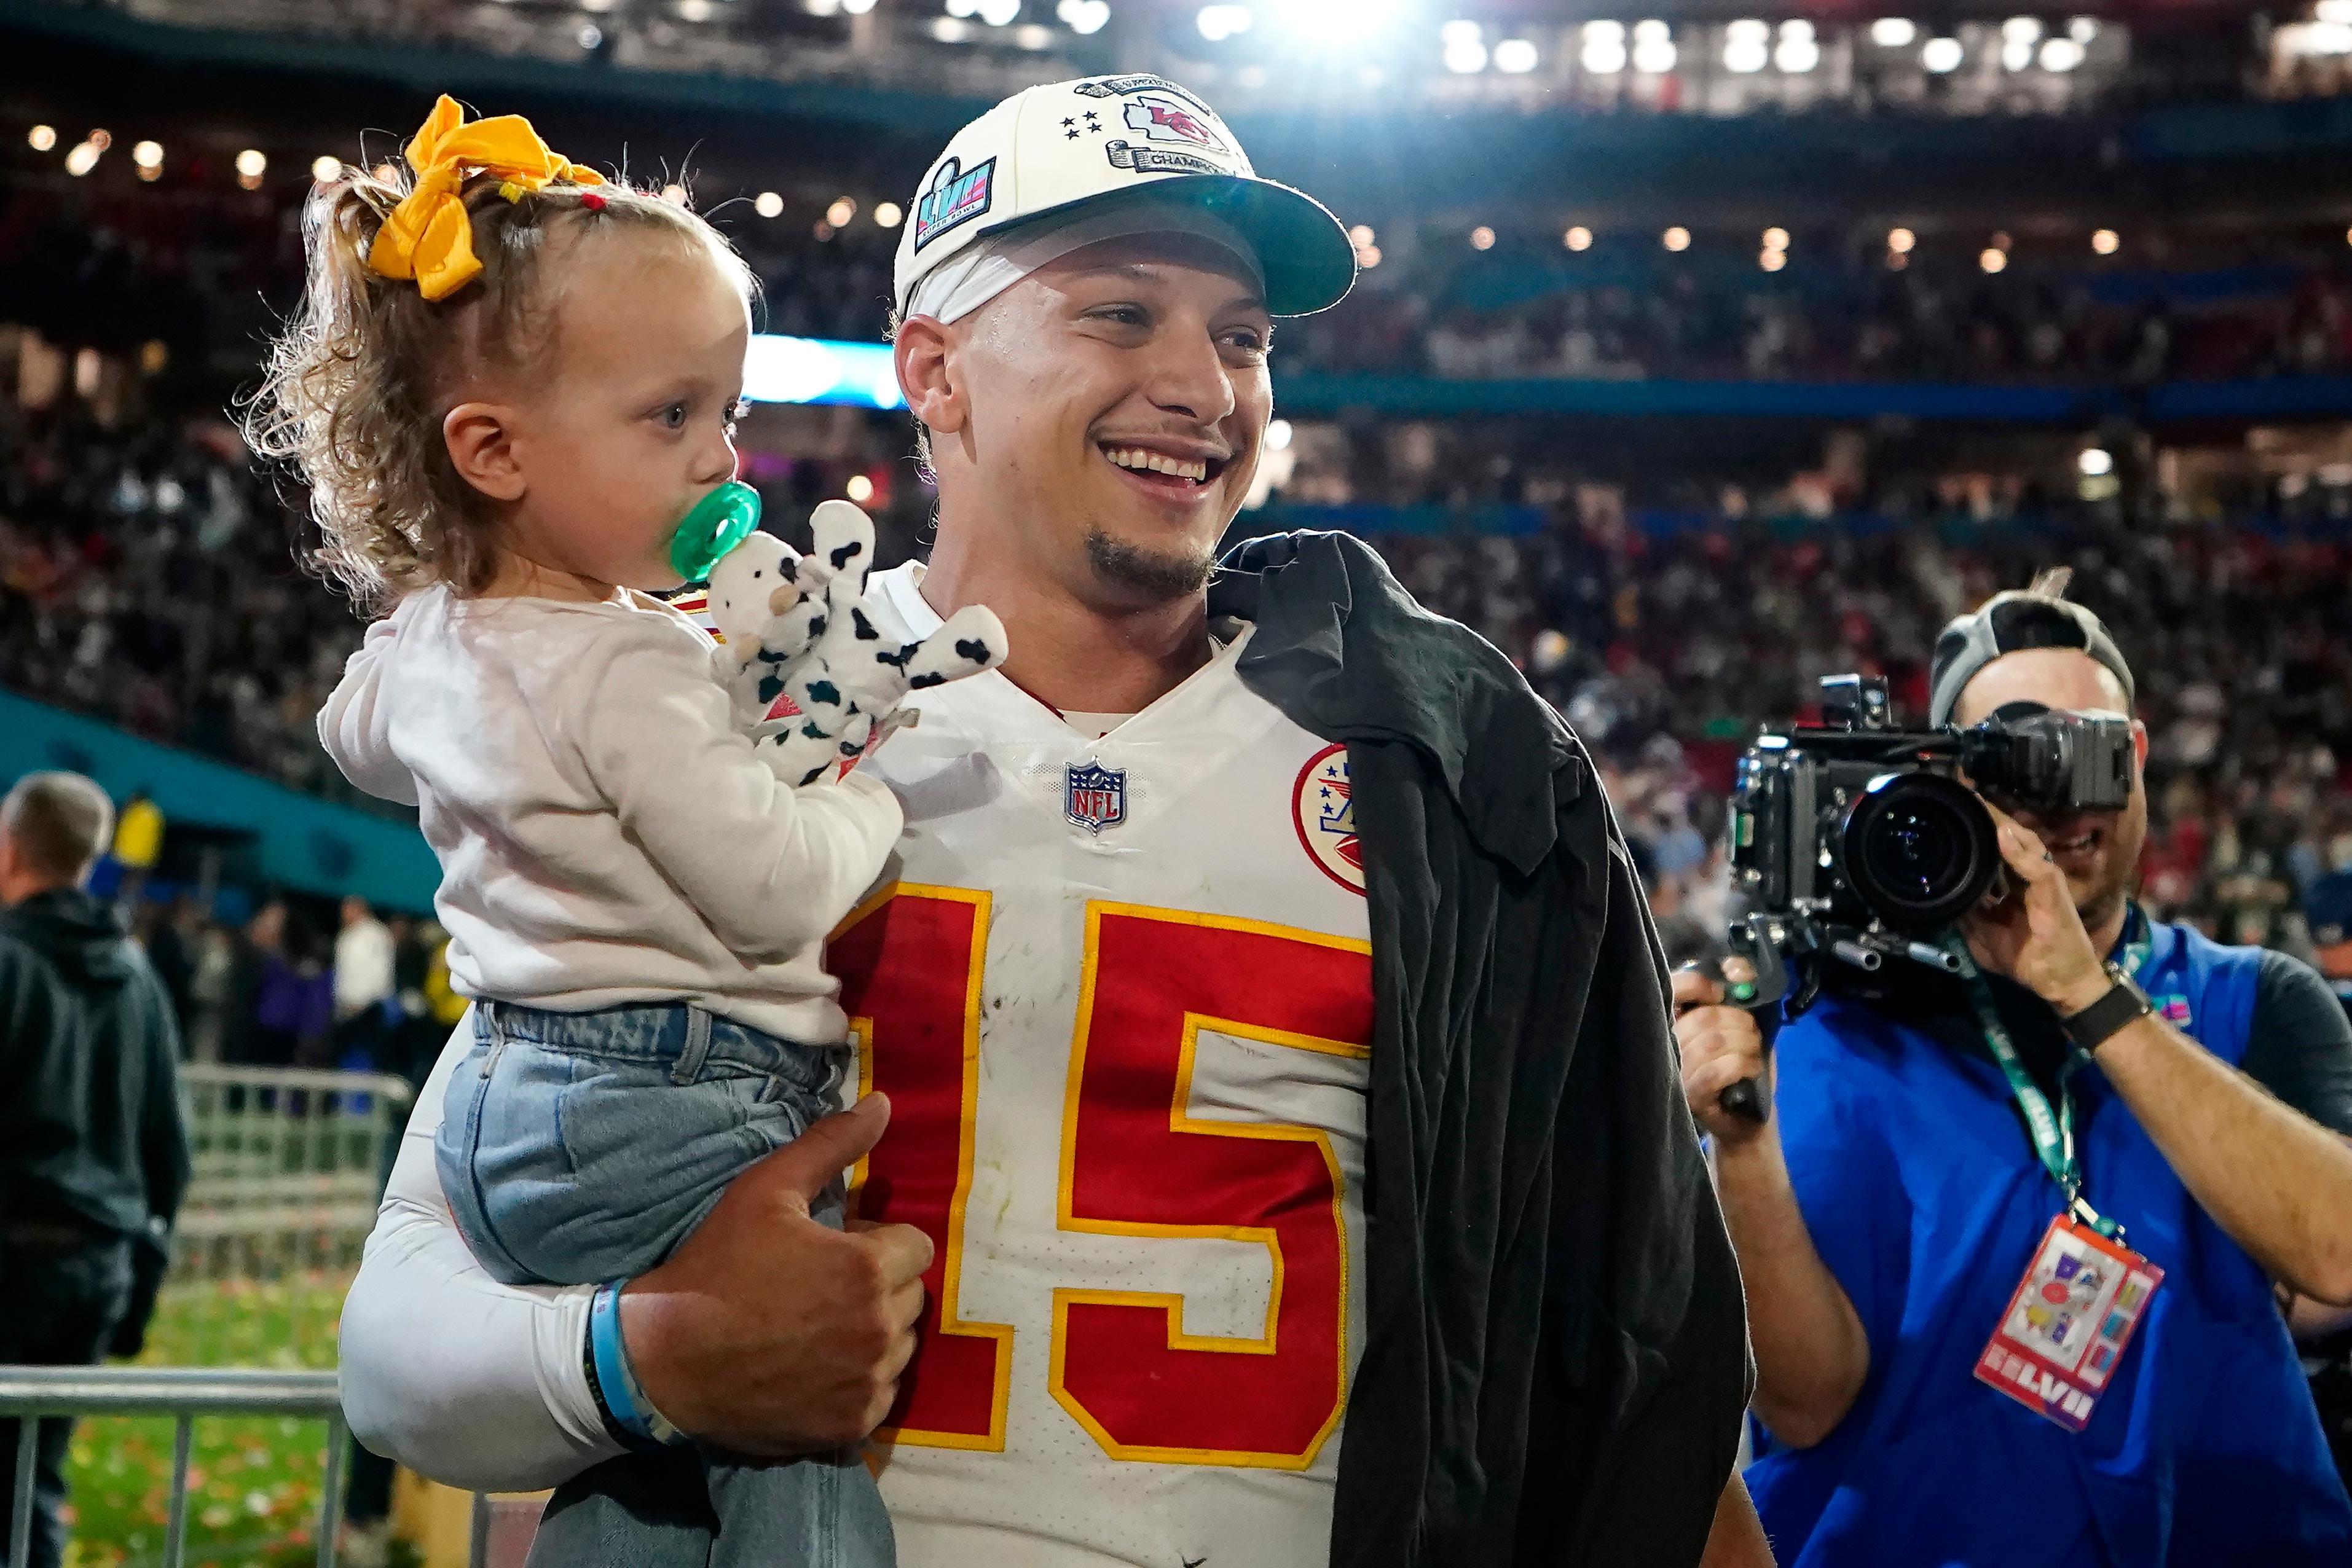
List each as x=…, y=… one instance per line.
x=933, y=395
x=480, y=439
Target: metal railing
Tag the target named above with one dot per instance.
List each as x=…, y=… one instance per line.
x=288, y=1164
x=30, y=1394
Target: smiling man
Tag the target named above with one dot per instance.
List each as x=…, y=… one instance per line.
x=1272, y=1040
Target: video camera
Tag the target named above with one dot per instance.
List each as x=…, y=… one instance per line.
x=1855, y=840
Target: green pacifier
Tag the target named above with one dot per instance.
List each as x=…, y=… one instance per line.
x=718, y=522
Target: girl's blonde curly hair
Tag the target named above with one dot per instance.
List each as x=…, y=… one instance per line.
x=361, y=378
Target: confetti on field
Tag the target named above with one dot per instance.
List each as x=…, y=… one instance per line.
x=253, y=1481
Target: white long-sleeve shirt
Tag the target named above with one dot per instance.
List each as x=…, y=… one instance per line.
x=1120, y=994
x=606, y=836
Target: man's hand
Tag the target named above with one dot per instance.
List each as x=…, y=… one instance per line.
x=2033, y=934
x=768, y=1334
x=1720, y=1046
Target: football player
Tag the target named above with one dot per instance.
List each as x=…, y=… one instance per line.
x=1118, y=989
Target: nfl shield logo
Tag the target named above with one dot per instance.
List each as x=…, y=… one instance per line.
x=1095, y=796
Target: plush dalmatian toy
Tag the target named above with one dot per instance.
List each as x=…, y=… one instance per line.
x=822, y=646
x=766, y=617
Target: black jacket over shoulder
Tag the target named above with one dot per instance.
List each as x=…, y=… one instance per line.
x=89, y=1089
x=1556, y=1357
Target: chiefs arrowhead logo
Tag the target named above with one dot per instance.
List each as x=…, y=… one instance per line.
x=1162, y=120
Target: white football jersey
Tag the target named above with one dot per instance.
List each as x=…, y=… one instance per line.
x=1118, y=990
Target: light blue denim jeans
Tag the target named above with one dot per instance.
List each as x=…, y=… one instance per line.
x=577, y=1148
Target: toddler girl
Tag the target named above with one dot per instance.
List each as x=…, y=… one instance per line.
x=507, y=383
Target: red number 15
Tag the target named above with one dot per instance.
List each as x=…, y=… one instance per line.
x=1135, y=1161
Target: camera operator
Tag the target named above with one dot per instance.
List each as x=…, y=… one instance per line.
x=1894, y=1214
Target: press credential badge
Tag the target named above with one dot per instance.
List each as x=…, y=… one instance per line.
x=2067, y=1327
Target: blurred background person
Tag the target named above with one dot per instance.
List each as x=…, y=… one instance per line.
x=93, y=1156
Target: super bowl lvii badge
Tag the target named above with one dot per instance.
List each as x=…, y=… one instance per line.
x=1093, y=797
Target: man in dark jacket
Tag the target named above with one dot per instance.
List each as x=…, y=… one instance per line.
x=93, y=1153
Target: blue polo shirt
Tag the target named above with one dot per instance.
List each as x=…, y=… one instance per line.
x=1921, y=1190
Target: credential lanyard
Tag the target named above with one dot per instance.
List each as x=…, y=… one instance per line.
x=2052, y=1132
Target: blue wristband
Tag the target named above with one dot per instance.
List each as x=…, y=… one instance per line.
x=615, y=1379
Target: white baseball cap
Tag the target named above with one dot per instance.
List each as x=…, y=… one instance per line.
x=1103, y=141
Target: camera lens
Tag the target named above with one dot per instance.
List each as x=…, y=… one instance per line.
x=1920, y=849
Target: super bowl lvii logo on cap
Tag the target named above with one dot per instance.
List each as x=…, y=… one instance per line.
x=954, y=198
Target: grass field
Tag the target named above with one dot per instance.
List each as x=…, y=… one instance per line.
x=253, y=1481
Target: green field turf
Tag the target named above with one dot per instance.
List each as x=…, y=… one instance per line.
x=253, y=1481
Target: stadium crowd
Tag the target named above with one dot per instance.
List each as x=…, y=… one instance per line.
x=145, y=577
x=198, y=268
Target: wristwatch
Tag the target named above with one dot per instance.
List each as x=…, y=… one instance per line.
x=2123, y=1004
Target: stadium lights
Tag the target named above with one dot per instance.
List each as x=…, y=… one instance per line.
x=1604, y=47
x=1993, y=259
x=999, y=13
x=2338, y=12
x=2106, y=242
x=598, y=6
x=1369, y=257
x=889, y=215
x=1942, y=55
x=1482, y=239
x=694, y=10
x=1896, y=261
x=590, y=36
x=41, y=138
x=1032, y=36
x=841, y=211
x=822, y=7
x=2082, y=29
x=82, y=159
x=1747, y=46
x=948, y=30
x=2060, y=54
x=2015, y=56
x=859, y=7
x=149, y=156
x=1799, y=51
x=2021, y=30
x=1084, y=17
x=1218, y=22
x=1361, y=236
x=1278, y=435
x=1515, y=56
x=2001, y=241
x=674, y=193
x=2096, y=463
x=1900, y=241
x=1676, y=238
x=1894, y=32
x=1773, y=260
x=768, y=205
x=1465, y=54
x=251, y=165
x=326, y=171
x=1578, y=238
x=1654, y=48
x=1776, y=239
x=859, y=489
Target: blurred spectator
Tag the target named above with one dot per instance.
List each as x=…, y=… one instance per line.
x=93, y=1156
x=362, y=980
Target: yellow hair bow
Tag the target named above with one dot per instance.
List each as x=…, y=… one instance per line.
x=430, y=237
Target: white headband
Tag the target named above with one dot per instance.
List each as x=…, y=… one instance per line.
x=980, y=272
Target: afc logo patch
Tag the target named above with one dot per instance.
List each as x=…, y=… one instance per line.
x=1323, y=812
x=1093, y=797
